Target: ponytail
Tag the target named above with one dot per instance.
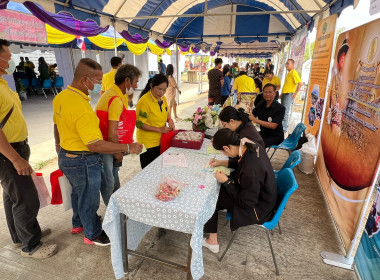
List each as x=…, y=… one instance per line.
x=230, y=113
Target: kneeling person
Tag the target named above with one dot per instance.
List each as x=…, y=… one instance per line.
x=269, y=114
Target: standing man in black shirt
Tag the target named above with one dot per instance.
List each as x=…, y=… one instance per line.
x=269, y=115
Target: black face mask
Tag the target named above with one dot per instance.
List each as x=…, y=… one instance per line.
x=160, y=104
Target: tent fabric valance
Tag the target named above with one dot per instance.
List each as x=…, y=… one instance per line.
x=135, y=39
x=65, y=22
x=56, y=37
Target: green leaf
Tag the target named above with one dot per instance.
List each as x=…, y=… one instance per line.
x=143, y=114
x=139, y=124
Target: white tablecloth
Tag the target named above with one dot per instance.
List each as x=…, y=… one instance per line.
x=187, y=213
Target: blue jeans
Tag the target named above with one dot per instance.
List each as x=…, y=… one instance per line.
x=286, y=101
x=110, y=178
x=84, y=175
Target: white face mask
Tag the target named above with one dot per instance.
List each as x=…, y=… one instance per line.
x=97, y=88
x=11, y=68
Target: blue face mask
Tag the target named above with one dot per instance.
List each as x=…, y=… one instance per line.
x=96, y=90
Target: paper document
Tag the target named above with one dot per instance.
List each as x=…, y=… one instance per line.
x=174, y=159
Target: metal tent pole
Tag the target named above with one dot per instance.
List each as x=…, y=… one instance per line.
x=114, y=36
x=177, y=58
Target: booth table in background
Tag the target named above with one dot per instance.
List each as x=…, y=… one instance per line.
x=187, y=213
x=192, y=76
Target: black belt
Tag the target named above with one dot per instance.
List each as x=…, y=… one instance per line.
x=79, y=153
x=16, y=145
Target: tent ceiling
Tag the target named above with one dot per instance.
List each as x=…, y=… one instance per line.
x=196, y=21
x=183, y=19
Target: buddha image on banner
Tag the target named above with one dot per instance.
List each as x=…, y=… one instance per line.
x=348, y=157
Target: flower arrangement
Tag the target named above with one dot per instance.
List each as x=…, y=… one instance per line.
x=204, y=118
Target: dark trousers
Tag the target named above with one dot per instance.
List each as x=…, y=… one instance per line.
x=21, y=203
x=224, y=98
x=270, y=140
x=150, y=155
x=224, y=202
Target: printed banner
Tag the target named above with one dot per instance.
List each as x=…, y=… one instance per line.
x=374, y=7
x=348, y=157
x=298, y=49
x=320, y=66
x=367, y=259
x=20, y=27
x=284, y=57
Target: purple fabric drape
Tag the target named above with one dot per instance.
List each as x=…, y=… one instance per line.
x=135, y=39
x=184, y=48
x=212, y=53
x=65, y=22
x=195, y=50
x=163, y=44
x=3, y=4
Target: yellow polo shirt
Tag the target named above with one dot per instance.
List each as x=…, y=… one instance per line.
x=275, y=81
x=244, y=83
x=15, y=129
x=108, y=79
x=77, y=123
x=116, y=107
x=148, y=112
x=291, y=81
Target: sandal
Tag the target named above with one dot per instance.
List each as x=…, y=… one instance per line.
x=43, y=251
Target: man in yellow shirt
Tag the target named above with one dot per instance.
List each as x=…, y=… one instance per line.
x=290, y=90
x=21, y=203
x=109, y=78
x=246, y=90
x=127, y=77
x=79, y=141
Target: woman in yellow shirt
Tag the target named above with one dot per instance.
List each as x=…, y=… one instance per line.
x=152, y=114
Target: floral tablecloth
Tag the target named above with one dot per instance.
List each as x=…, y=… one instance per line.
x=187, y=213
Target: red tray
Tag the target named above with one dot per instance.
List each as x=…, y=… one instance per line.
x=196, y=145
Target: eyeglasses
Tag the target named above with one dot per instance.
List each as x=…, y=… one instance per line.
x=97, y=81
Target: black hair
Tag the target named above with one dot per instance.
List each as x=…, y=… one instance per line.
x=158, y=79
x=3, y=43
x=146, y=89
x=218, y=61
x=116, y=61
x=268, y=71
x=169, y=70
x=227, y=137
x=225, y=70
x=270, y=85
x=258, y=84
x=269, y=59
x=231, y=113
x=126, y=71
x=242, y=73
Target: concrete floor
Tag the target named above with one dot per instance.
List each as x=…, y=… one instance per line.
x=306, y=225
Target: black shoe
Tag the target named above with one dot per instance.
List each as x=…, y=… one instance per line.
x=101, y=240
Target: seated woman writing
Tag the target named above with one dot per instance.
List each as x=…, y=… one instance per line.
x=252, y=195
x=237, y=120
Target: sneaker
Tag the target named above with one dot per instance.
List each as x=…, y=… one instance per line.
x=212, y=248
x=101, y=240
x=76, y=230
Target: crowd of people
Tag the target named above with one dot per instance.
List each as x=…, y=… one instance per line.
x=91, y=145
x=258, y=93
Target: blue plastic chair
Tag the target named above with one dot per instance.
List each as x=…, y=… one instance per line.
x=58, y=84
x=47, y=84
x=36, y=83
x=286, y=185
x=293, y=160
x=291, y=142
x=25, y=83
